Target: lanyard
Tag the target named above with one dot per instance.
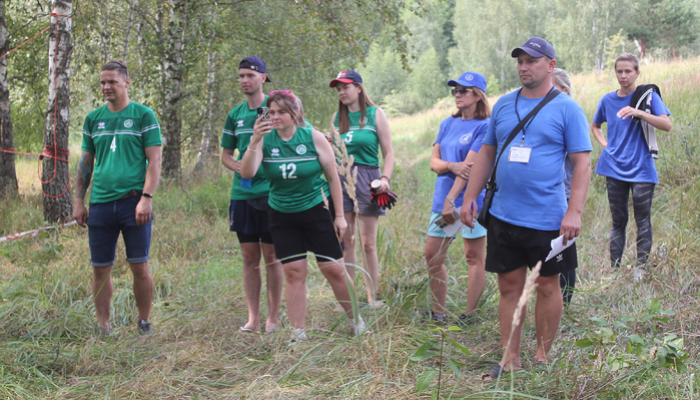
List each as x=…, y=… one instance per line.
x=522, y=140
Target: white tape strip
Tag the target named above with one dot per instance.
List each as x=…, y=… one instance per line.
x=34, y=231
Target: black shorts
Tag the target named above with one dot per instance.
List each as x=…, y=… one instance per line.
x=248, y=217
x=310, y=230
x=509, y=247
x=264, y=237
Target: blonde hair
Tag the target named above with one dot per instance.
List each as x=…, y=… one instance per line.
x=483, y=109
x=561, y=78
x=343, y=111
x=289, y=103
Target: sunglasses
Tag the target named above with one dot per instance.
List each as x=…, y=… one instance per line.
x=285, y=92
x=462, y=90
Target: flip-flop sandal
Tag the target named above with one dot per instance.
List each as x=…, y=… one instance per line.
x=494, y=373
x=246, y=330
x=271, y=331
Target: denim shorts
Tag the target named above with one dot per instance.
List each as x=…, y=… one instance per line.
x=467, y=232
x=106, y=220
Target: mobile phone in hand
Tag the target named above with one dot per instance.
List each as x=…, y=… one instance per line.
x=265, y=112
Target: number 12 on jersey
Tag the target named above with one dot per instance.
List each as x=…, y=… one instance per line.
x=288, y=171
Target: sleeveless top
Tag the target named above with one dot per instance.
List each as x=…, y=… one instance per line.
x=363, y=143
x=294, y=171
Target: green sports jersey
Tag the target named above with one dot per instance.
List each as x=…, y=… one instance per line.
x=294, y=171
x=363, y=143
x=238, y=130
x=118, y=141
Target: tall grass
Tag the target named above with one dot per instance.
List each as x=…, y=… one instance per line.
x=47, y=347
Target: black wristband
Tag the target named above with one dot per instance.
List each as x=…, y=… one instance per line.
x=387, y=178
x=150, y=196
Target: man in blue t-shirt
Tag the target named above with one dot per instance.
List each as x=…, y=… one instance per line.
x=529, y=207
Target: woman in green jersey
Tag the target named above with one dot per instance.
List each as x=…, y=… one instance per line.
x=295, y=159
x=365, y=129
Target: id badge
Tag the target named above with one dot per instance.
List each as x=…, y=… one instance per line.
x=519, y=154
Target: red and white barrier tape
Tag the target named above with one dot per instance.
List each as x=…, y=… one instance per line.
x=34, y=231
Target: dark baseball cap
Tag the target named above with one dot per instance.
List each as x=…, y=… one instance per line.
x=347, y=76
x=256, y=64
x=536, y=47
x=469, y=79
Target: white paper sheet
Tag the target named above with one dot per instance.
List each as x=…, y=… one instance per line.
x=558, y=246
x=455, y=227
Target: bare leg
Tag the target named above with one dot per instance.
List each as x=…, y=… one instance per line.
x=341, y=283
x=435, y=253
x=510, y=286
x=295, y=293
x=143, y=288
x=252, y=282
x=275, y=284
x=349, y=253
x=548, y=309
x=475, y=250
x=102, y=294
x=368, y=231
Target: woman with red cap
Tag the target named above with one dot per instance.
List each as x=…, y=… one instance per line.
x=364, y=128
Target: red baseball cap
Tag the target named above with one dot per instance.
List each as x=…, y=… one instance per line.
x=348, y=76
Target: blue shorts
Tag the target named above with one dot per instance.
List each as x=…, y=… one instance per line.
x=106, y=220
x=467, y=233
x=249, y=217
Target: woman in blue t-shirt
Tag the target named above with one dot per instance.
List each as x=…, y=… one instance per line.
x=454, y=152
x=626, y=159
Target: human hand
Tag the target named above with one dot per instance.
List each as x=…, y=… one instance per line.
x=448, y=211
x=384, y=185
x=340, y=226
x=463, y=169
x=80, y=213
x=628, y=111
x=469, y=214
x=143, y=211
x=236, y=166
x=570, y=226
x=261, y=128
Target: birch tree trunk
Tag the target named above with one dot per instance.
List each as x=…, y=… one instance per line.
x=172, y=75
x=59, y=208
x=8, y=175
x=209, y=146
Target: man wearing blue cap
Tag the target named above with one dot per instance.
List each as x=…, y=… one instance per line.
x=529, y=207
x=248, y=207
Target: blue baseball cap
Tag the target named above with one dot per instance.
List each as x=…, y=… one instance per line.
x=347, y=76
x=256, y=64
x=536, y=47
x=469, y=79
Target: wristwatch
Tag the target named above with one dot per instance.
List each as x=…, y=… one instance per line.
x=150, y=196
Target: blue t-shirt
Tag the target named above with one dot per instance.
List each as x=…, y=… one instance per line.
x=627, y=156
x=532, y=195
x=457, y=137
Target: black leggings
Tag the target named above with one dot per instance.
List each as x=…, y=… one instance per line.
x=618, y=196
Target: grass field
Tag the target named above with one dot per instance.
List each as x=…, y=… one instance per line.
x=618, y=340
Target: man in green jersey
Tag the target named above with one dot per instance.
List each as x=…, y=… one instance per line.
x=249, y=200
x=122, y=150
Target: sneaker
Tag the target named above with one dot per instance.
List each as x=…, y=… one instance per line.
x=297, y=336
x=639, y=274
x=145, y=328
x=429, y=316
x=358, y=328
